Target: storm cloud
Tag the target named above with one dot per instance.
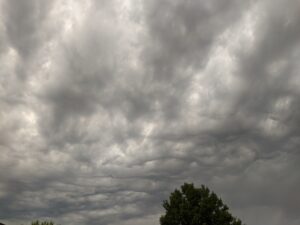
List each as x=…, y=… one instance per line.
x=107, y=106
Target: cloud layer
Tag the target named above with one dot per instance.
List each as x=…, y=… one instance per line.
x=107, y=106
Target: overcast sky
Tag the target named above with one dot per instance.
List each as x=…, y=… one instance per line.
x=107, y=106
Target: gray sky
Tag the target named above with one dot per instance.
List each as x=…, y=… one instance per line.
x=107, y=106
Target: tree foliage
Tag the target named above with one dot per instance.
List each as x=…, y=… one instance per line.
x=196, y=206
x=42, y=223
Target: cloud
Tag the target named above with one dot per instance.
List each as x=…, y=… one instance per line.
x=107, y=106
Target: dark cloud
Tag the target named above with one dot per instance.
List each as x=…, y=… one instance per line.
x=23, y=23
x=107, y=106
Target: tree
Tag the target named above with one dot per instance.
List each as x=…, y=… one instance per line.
x=196, y=206
x=42, y=223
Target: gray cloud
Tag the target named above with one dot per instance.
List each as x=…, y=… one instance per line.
x=107, y=106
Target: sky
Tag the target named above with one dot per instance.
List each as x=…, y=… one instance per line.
x=107, y=106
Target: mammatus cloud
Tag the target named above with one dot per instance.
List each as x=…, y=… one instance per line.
x=107, y=106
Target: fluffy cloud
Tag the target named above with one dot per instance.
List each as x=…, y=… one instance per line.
x=107, y=106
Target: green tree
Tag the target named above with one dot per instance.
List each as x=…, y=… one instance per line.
x=196, y=206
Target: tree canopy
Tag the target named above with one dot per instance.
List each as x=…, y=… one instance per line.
x=196, y=206
x=37, y=222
